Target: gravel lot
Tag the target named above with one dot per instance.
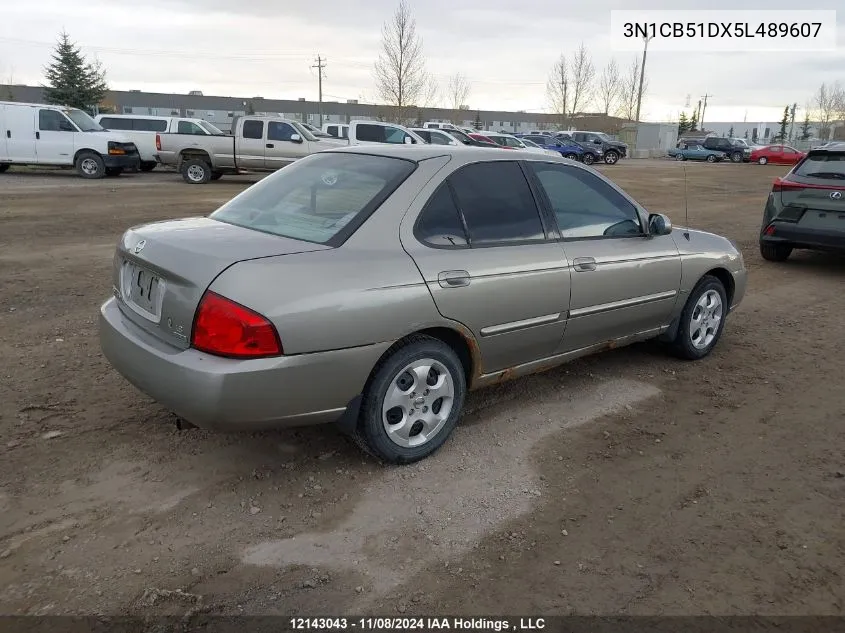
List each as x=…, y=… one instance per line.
x=625, y=483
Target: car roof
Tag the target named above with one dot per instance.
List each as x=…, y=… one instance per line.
x=463, y=152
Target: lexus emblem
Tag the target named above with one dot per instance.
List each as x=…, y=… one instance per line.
x=835, y=195
x=140, y=245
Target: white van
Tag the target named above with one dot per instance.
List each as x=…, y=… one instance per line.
x=337, y=130
x=369, y=132
x=39, y=134
x=141, y=129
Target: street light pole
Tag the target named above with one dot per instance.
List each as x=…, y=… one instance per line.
x=642, y=76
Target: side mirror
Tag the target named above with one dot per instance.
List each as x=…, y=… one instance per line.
x=64, y=126
x=597, y=141
x=409, y=140
x=295, y=138
x=659, y=224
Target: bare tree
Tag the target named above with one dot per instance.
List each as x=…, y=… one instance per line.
x=400, y=74
x=825, y=107
x=557, y=88
x=610, y=85
x=629, y=87
x=459, y=88
x=583, y=72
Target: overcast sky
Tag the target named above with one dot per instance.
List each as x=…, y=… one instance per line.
x=505, y=47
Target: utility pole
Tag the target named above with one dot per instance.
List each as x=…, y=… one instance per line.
x=320, y=65
x=642, y=76
x=703, y=109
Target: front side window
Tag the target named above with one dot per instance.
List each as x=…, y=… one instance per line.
x=497, y=203
x=316, y=197
x=584, y=205
x=440, y=223
x=253, y=129
x=440, y=139
x=54, y=121
x=279, y=131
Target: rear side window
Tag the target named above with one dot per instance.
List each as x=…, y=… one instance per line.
x=440, y=223
x=114, y=123
x=497, y=203
x=827, y=166
x=371, y=133
x=253, y=129
x=322, y=198
x=331, y=130
x=189, y=127
x=149, y=125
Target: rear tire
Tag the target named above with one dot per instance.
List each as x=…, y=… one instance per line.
x=422, y=376
x=711, y=158
x=589, y=159
x=762, y=160
x=680, y=157
x=775, y=252
x=4, y=167
x=148, y=165
x=702, y=320
x=90, y=165
x=195, y=171
x=571, y=156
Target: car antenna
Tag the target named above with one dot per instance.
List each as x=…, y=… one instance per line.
x=686, y=204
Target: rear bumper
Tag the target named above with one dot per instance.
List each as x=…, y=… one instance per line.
x=226, y=394
x=132, y=161
x=814, y=239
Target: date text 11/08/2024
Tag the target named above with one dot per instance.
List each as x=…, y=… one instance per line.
x=417, y=624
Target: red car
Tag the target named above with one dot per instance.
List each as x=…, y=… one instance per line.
x=776, y=154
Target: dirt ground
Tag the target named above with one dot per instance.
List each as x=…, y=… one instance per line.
x=625, y=483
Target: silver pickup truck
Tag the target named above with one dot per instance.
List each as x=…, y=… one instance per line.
x=263, y=143
x=257, y=143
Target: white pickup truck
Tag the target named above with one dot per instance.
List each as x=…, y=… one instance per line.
x=263, y=143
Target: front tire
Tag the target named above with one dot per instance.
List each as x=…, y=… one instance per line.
x=702, y=319
x=195, y=171
x=762, y=160
x=611, y=157
x=736, y=157
x=90, y=165
x=775, y=252
x=571, y=156
x=148, y=165
x=412, y=401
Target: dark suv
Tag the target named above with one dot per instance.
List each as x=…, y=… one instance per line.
x=613, y=149
x=736, y=152
x=806, y=208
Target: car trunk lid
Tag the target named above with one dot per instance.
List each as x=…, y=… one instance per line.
x=161, y=270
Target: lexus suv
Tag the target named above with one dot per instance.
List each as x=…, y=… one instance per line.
x=806, y=208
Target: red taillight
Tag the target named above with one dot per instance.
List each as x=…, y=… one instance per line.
x=158, y=142
x=225, y=328
x=770, y=230
x=786, y=185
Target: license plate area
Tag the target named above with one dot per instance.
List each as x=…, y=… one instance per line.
x=142, y=290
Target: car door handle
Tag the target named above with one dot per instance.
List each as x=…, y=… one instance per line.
x=269, y=146
x=8, y=133
x=584, y=264
x=38, y=135
x=453, y=279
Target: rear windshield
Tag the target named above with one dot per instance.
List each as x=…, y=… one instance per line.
x=830, y=166
x=315, y=198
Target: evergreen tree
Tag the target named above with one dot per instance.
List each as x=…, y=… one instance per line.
x=731, y=132
x=683, y=123
x=784, y=122
x=805, y=127
x=693, y=122
x=71, y=80
x=477, y=122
